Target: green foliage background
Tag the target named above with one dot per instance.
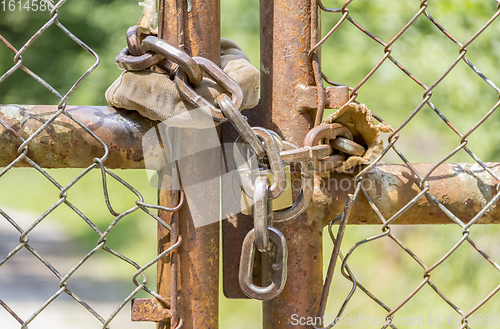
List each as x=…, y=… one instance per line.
x=347, y=57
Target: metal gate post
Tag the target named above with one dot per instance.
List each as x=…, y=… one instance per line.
x=197, y=30
x=286, y=31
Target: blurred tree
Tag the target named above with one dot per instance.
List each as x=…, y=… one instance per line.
x=60, y=61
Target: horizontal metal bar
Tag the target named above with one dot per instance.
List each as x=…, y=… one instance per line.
x=463, y=188
x=306, y=97
x=64, y=144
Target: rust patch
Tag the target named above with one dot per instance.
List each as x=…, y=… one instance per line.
x=149, y=309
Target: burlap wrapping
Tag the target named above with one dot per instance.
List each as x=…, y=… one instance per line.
x=358, y=118
x=155, y=96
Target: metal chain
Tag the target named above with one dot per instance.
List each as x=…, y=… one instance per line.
x=259, y=237
x=319, y=147
x=333, y=136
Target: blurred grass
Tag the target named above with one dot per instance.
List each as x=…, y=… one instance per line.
x=347, y=57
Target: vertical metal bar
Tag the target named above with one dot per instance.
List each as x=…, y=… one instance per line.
x=197, y=31
x=286, y=31
x=315, y=61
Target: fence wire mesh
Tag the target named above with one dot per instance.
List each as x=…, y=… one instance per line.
x=423, y=11
x=139, y=278
x=388, y=232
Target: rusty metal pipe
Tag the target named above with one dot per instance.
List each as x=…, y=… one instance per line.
x=463, y=188
x=197, y=31
x=64, y=144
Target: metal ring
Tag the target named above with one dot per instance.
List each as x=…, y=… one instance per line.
x=135, y=34
x=177, y=56
x=192, y=97
x=347, y=146
x=127, y=62
x=329, y=132
x=276, y=165
x=279, y=267
x=278, y=139
x=222, y=79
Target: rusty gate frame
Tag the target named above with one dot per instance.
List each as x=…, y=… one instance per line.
x=288, y=95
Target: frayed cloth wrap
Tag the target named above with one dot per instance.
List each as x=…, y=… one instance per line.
x=358, y=118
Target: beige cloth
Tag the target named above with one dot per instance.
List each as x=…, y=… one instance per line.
x=155, y=96
x=358, y=118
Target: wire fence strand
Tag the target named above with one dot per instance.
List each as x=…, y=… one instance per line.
x=139, y=278
x=345, y=16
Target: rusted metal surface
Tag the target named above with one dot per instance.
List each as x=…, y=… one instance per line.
x=306, y=153
x=64, y=144
x=197, y=32
x=285, y=28
x=306, y=97
x=462, y=188
x=149, y=309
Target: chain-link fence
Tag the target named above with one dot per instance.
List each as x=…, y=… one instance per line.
x=27, y=141
x=397, y=304
x=406, y=305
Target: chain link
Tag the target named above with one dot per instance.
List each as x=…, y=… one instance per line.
x=334, y=135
